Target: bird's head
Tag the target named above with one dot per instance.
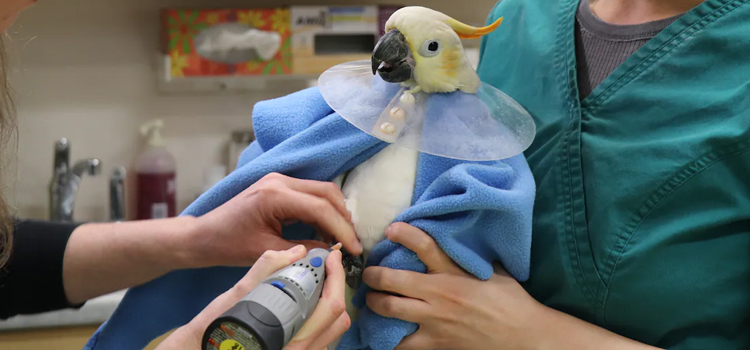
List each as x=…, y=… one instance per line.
x=422, y=47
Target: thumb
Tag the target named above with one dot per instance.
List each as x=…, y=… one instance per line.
x=268, y=263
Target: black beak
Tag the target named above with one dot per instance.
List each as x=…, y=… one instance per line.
x=392, y=58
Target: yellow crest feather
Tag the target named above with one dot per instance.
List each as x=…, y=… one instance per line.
x=466, y=31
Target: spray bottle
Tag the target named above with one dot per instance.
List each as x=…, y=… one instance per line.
x=155, y=172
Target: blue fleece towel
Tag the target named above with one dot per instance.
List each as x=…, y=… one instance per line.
x=477, y=213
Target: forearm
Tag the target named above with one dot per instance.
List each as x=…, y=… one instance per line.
x=101, y=258
x=560, y=331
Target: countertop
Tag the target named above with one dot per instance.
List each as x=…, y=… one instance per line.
x=94, y=312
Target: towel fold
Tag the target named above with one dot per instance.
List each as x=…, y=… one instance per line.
x=476, y=212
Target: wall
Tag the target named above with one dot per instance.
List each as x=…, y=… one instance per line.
x=85, y=70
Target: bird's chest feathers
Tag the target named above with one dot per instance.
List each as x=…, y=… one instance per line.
x=378, y=190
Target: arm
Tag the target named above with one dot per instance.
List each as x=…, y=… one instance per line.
x=455, y=310
x=105, y=257
x=31, y=280
x=102, y=258
x=562, y=331
x=59, y=265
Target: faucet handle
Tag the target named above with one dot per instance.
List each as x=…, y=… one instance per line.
x=92, y=166
x=62, y=154
x=95, y=167
x=62, y=144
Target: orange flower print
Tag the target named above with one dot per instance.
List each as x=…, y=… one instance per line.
x=178, y=62
x=183, y=26
x=212, y=18
x=280, y=21
x=254, y=66
x=251, y=18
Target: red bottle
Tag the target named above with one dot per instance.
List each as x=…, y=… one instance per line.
x=155, y=176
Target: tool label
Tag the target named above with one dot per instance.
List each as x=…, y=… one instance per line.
x=304, y=278
x=230, y=336
x=231, y=345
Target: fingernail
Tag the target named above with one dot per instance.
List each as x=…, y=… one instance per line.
x=298, y=249
x=388, y=231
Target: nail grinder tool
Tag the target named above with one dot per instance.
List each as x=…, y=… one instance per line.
x=270, y=315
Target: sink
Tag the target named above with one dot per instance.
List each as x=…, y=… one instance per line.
x=93, y=313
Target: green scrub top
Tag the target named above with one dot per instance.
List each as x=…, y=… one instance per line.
x=642, y=218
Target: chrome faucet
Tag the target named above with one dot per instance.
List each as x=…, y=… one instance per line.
x=66, y=181
x=117, y=194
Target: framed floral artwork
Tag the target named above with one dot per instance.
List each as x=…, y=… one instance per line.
x=226, y=42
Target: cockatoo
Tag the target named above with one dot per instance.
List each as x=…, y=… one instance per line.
x=421, y=51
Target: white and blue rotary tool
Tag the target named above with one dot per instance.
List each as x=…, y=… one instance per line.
x=270, y=315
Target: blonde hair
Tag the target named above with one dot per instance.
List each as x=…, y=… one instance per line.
x=7, y=129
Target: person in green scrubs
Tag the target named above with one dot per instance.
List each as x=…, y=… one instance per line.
x=641, y=234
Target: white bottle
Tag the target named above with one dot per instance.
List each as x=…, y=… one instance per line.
x=155, y=172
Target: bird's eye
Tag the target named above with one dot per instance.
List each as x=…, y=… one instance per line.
x=429, y=48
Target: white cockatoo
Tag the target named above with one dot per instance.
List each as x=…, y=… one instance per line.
x=422, y=51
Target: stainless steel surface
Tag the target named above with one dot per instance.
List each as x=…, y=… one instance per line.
x=62, y=154
x=87, y=166
x=117, y=194
x=66, y=180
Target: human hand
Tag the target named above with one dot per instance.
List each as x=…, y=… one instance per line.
x=454, y=310
x=327, y=323
x=240, y=230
